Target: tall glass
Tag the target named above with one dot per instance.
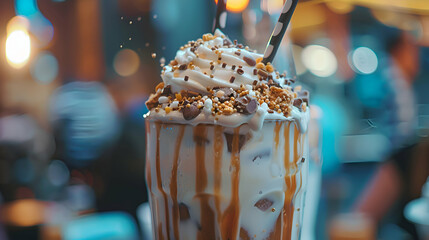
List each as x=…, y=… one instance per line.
x=214, y=182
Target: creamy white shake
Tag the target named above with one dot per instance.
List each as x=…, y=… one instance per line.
x=226, y=146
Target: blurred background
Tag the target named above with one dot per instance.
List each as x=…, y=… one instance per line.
x=74, y=76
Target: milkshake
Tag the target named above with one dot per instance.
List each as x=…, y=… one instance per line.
x=226, y=146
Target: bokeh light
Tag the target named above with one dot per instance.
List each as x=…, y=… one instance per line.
x=319, y=60
x=236, y=5
x=58, y=173
x=272, y=6
x=45, y=68
x=126, y=62
x=18, y=48
x=363, y=60
x=340, y=7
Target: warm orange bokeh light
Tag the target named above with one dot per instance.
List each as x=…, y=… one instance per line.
x=236, y=5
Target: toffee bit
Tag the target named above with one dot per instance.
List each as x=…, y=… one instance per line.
x=186, y=78
x=232, y=79
x=153, y=55
x=211, y=76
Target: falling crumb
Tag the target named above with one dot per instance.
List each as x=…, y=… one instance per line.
x=139, y=19
x=153, y=55
x=155, y=16
x=122, y=18
x=147, y=45
x=120, y=46
x=162, y=60
x=131, y=22
x=129, y=39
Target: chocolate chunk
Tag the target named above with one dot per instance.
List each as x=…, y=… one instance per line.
x=240, y=71
x=167, y=91
x=152, y=102
x=264, y=204
x=305, y=96
x=246, y=105
x=230, y=137
x=184, y=212
x=227, y=42
x=232, y=79
x=297, y=102
x=191, y=112
x=262, y=73
x=228, y=93
x=183, y=67
x=249, y=60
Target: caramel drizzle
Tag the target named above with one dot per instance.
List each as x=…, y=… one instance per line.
x=173, y=183
x=159, y=183
x=231, y=216
x=290, y=181
x=218, y=150
x=148, y=175
x=207, y=230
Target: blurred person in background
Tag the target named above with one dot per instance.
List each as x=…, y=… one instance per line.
x=399, y=179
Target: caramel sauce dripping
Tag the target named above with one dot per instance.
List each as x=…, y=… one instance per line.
x=148, y=172
x=207, y=230
x=290, y=181
x=159, y=183
x=173, y=182
x=231, y=216
x=218, y=154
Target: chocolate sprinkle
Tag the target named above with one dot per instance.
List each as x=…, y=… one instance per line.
x=186, y=78
x=224, y=65
x=255, y=71
x=237, y=53
x=240, y=71
x=250, y=60
x=232, y=79
x=262, y=73
x=233, y=67
x=211, y=67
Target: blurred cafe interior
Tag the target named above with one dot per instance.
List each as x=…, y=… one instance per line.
x=75, y=75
